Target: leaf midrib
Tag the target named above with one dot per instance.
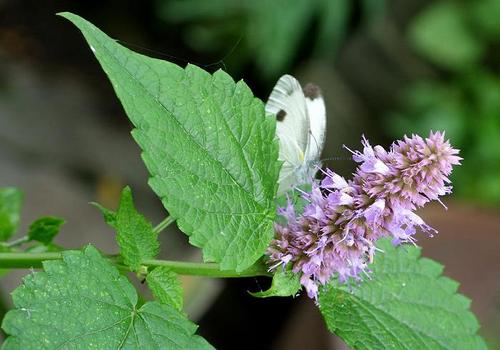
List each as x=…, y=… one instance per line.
x=239, y=146
x=82, y=335
x=248, y=195
x=366, y=305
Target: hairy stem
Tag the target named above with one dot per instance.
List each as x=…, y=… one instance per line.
x=20, y=260
x=164, y=224
x=16, y=242
x=207, y=269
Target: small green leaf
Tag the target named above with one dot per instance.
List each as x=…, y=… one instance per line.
x=134, y=233
x=285, y=284
x=108, y=215
x=165, y=286
x=207, y=143
x=406, y=304
x=45, y=229
x=82, y=302
x=10, y=209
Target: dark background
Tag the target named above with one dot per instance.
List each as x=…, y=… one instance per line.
x=386, y=68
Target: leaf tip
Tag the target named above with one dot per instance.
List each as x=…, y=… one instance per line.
x=67, y=15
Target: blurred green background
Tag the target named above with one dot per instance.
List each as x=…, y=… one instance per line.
x=386, y=68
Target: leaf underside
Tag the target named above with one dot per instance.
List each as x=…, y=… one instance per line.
x=82, y=302
x=406, y=304
x=284, y=284
x=207, y=144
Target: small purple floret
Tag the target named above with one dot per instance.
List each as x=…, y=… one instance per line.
x=335, y=235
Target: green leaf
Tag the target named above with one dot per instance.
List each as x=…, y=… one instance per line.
x=406, y=304
x=82, y=302
x=207, y=144
x=10, y=209
x=45, y=229
x=108, y=215
x=441, y=34
x=165, y=286
x=199, y=343
x=285, y=284
x=134, y=233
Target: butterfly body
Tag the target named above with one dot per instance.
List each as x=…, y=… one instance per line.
x=300, y=127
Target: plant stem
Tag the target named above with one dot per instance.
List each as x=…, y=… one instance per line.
x=20, y=260
x=16, y=242
x=207, y=269
x=26, y=260
x=164, y=224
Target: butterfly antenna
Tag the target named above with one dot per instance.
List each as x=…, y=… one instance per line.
x=317, y=145
x=314, y=138
x=158, y=53
x=183, y=60
x=341, y=158
x=230, y=52
x=336, y=158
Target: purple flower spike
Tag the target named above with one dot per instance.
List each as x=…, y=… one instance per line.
x=335, y=235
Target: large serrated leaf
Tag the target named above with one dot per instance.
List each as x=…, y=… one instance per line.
x=406, y=304
x=82, y=302
x=208, y=146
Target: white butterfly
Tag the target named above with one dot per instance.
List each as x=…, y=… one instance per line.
x=300, y=127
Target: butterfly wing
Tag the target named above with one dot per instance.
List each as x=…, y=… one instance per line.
x=316, y=111
x=288, y=104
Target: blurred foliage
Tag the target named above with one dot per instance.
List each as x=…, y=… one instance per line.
x=442, y=34
x=459, y=39
x=266, y=33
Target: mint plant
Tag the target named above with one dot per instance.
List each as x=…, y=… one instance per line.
x=212, y=156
